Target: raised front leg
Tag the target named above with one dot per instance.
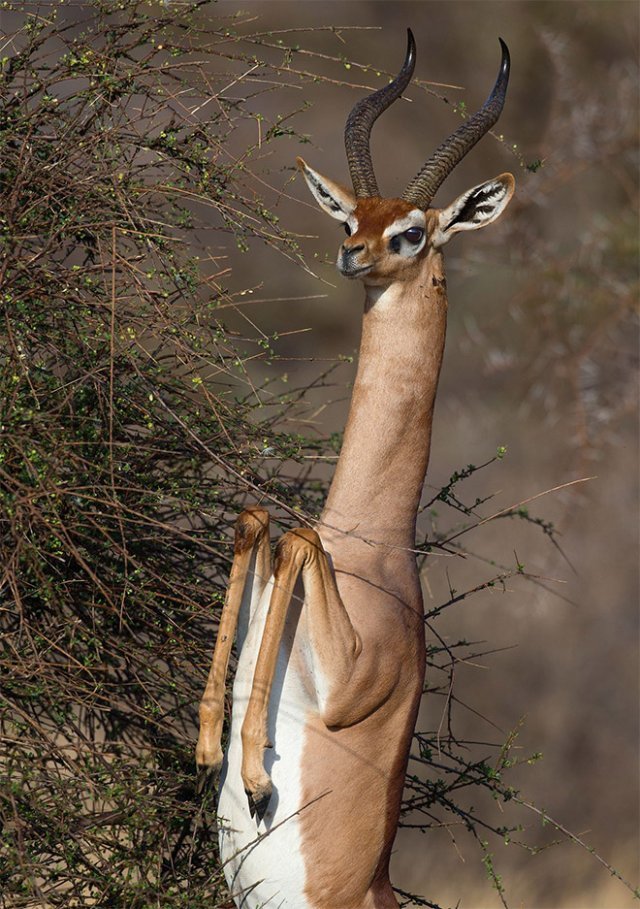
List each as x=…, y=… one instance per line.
x=251, y=538
x=334, y=649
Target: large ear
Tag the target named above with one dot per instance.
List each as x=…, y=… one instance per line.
x=331, y=197
x=475, y=208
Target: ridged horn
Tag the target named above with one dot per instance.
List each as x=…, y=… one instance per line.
x=424, y=185
x=357, y=132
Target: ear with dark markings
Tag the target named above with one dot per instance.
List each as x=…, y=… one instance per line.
x=475, y=208
x=332, y=198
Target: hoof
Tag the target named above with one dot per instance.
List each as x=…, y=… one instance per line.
x=259, y=801
x=206, y=779
x=208, y=767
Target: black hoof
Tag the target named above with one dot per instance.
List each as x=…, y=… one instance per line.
x=258, y=803
x=206, y=779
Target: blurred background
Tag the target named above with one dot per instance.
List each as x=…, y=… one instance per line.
x=542, y=357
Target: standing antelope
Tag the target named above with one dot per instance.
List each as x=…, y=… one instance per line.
x=331, y=637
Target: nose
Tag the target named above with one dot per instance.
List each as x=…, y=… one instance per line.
x=351, y=250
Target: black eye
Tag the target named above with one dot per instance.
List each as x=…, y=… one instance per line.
x=347, y=229
x=414, y=234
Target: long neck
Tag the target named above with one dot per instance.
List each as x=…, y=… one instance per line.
x=378, y=481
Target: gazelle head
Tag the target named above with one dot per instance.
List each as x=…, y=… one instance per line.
x=390, y=240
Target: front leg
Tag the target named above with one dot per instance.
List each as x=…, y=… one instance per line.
x=251, y=538
x=334, y=644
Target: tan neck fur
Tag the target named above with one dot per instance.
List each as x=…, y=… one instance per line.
x=378, y=481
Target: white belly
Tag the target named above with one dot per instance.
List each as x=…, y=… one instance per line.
x=263, y=861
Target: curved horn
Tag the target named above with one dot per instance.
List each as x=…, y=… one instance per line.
x=424, y=185
x=361, y=119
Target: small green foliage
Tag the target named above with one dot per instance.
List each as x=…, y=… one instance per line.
x=487, y=861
